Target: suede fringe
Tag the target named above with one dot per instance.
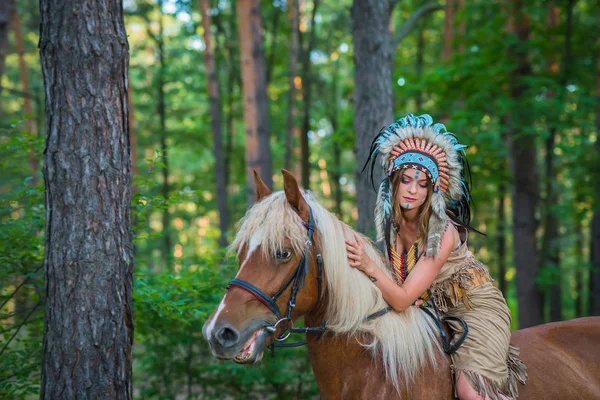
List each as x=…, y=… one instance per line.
x=517, y=372
x=455, y=288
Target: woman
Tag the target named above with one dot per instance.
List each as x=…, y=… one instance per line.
x=422, y=213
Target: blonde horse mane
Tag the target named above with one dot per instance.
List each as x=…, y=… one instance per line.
x=406, y=341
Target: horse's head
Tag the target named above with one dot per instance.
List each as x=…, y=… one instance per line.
x=276, y=250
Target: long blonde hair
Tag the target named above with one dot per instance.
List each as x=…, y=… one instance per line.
x=405, y=341
x=424, y=210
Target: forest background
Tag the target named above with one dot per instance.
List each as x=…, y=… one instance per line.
x=520, y=84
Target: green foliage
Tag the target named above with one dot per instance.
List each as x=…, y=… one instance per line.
x=22, y=218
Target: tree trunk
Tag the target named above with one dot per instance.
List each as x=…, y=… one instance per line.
x=550, y=249
x=293, y=8
x=373, y=57
x=162, y=114
x=594, y=280
x=254, y=89
x=233, y=78
x=88, y=263
x=307, y=98
x=448, y=41
x=337, y=152
x=215, y=112
x=501, y=238
x=419, y=63
x=522, y=151
x=462, y=26
x=275, y=30
x=579, y=270
x=7, y=8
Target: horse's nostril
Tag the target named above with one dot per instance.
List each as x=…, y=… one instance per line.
x=227, y=336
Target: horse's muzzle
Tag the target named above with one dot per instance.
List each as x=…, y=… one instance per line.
x=242, y=346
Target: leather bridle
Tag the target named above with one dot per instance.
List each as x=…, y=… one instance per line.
x=296, y=280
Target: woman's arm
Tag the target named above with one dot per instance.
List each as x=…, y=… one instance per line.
x=420, y=278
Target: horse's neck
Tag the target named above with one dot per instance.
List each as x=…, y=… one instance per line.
x=345, y=369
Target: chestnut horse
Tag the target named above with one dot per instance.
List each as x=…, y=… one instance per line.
x=287, y=243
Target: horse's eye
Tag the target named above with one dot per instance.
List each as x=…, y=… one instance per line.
x=283, y=254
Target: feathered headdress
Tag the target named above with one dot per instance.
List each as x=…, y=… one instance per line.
x=429, y=148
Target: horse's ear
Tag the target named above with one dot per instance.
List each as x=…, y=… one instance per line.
x=293, y=194
x=262, y=190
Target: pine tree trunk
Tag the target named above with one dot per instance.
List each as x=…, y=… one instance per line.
x=215, y=112
x=373, y=57
x=337, y=151
x=307, y=97
x=254, y=89
x=579, y=270
x=294, y=11
x=550, y=249
x=448, y=41
x=233, y=79
x=162, y=114
x=594, y=280
x=7, y=8
x=522, y=151
x=462, y=26
x=501, y=239
x=88, y=264
x=274, y=31
x=419, y=64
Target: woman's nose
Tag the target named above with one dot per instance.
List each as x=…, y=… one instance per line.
x=412, y=188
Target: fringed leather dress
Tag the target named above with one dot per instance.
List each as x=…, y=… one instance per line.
x=464, y=288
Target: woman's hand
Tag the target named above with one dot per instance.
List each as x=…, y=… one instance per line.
x=358, y=258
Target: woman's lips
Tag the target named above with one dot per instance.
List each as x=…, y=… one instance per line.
x=410, y=199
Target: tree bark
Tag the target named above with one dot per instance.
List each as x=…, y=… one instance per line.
x=448, y=42
x=215, y=112
x=373, y=57
x=294, y=11
x=579, y=270
x=419, y=63
x=88, y=264
x=501, y=239
x=162, y=114
x=275, y=30
x=522, y=151
x=594, y=280
x=7, y=9
x=228, y=43
x=254, y=89
x=337, y=151
x=462, y=26
x=307, y=98
x=550, y=249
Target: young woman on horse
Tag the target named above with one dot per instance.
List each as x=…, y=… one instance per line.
x=422, y=214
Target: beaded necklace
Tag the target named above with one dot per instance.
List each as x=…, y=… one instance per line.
x=403, y=263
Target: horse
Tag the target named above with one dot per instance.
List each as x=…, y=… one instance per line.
x=290, y=246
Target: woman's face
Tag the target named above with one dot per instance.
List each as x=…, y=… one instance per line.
x=412, y=191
